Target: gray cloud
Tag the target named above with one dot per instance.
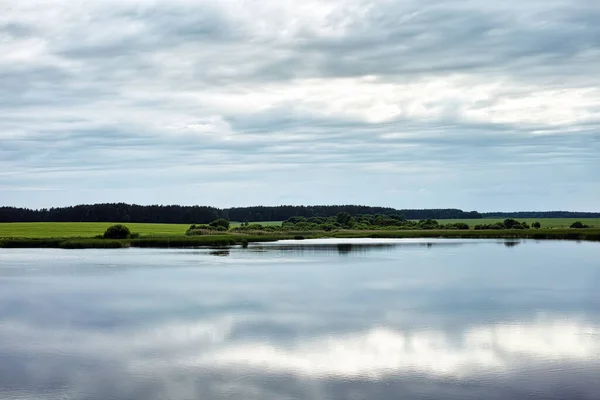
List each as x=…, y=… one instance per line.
x=442, y=101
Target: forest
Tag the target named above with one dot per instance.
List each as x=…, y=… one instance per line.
x=174, y=214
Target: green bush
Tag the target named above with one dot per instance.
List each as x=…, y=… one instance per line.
x=117, y=232
x=221, y=222
x=579, y=225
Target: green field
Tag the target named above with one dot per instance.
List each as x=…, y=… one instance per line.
x=83, y=229
x=91, y=229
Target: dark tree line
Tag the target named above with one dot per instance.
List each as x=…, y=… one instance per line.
x=121, y=212
x=541, y=214
x=113, y=212
x=282, y=213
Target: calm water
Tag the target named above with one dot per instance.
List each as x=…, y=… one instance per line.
x=409, y=319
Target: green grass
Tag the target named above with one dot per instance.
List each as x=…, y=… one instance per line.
x=84, y=229
x=546, y=222
x=91, y=229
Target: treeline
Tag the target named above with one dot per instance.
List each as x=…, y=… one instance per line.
x=541, y=214
x=282, y=213
x=122, y=212
x=112, y=212
x=344, y=220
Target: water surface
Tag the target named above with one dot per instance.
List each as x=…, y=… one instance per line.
x=325, y=319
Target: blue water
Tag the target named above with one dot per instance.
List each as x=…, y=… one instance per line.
x=345, y=319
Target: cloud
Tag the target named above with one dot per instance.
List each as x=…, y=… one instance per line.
x=382, y=352
x=202, y=355
x=301, y=93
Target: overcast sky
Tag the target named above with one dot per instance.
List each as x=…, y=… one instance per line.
x=474, y=104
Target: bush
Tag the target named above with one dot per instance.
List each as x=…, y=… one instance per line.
x=221, y=222
x=536, y=225
x=117, y=232
x=579, y=225
x=458, y=225
x=497, y=225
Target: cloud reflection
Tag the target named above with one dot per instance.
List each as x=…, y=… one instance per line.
x=382, y=352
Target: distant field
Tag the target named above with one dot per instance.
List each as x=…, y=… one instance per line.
x=263, y=223
x=91, y=229
x=546, y=222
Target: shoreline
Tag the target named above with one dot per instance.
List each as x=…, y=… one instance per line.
x=231, y=239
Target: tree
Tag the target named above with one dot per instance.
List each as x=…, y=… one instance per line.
x=510, y=223
x=344, y=219
x=117, y=232
x=579, y=225
x=221, y=222
x=536, y=225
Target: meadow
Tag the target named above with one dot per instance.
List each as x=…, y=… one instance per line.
x=84, y=229
x=91, y=229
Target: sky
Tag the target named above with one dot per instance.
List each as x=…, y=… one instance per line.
x=473, y=104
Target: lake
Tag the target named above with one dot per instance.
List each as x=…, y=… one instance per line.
x=313, y=319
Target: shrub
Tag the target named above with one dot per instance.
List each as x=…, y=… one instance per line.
x=536, y=225
x=221, y=222
x=579, y=225
x=497, y=225
x=328, y=227
x=458, y=225
x=117, y=232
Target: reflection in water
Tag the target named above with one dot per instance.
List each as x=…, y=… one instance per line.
x=383, y=352
x=220, y=252
x=344, y=248
x=348, y=246
x=453, y=322
x=511, y=243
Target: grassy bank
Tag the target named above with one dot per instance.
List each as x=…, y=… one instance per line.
x=223, y=240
